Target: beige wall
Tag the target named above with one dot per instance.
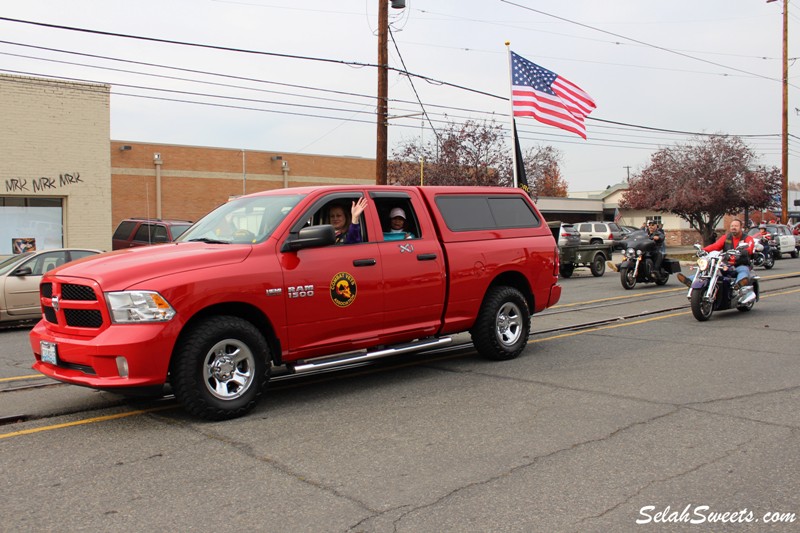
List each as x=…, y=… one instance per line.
x=55, y=143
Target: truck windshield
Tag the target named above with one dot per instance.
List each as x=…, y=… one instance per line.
x=246, y=220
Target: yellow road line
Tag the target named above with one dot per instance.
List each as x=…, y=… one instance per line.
x=636, y=322
x=624, y=297
x=85, y=421
x=18, y=378
x=163, y=408
x=610, y=326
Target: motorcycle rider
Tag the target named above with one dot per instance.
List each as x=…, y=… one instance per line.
x=730, y=241
x=766, y=236
x=657, y=235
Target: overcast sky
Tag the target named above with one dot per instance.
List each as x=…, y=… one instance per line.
x=708, y=66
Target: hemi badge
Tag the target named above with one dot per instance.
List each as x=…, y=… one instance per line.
x=274, y=292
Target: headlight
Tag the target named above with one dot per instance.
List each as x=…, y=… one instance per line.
x=630, y=252
x=702, y=263
x=138, y=306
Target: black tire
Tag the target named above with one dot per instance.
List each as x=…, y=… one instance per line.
x=566, y=270
x=598, y=266
x=769, y=261
x=501, y=330
x=596, y=241
x=794, y=254
x=662, y=278
x=626, y=278
x=221, y=368
x=702, y=310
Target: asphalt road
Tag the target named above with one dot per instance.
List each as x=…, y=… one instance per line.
x=622, y=408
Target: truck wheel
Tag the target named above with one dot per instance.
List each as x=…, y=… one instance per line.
x=221, y=368
x=566, y=270
x=503, y=324
x=794, y=254
x=598, y=266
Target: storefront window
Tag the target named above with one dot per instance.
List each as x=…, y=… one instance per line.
x=28, y=224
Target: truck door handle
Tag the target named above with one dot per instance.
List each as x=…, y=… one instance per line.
x=364, y=262
x=426, y=257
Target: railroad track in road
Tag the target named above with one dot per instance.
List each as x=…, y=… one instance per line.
x=36, y=382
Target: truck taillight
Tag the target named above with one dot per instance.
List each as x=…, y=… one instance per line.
x=556, y=264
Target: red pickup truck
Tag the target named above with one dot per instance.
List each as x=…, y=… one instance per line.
x=258, y=285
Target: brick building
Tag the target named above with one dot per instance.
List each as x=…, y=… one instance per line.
x=186, y=182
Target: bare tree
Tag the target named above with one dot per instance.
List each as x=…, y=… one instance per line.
x=474, y=153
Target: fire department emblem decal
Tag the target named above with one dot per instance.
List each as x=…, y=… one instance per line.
x=343, y=289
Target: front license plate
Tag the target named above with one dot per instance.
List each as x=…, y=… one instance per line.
x=48, y=352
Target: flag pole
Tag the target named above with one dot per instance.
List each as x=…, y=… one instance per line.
x=511, y=111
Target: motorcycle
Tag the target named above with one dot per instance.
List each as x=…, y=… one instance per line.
x=760, y=258
x=638, y=265
x=714, y=287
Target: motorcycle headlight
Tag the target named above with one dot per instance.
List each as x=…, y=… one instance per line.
x=630, y=252
x=130, y=307
x=702, y=263
x=638, y=252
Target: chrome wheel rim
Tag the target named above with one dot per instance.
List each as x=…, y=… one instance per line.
x=228, y=371
x=508, y=324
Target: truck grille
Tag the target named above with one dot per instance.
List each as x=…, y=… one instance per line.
x=78, y=305
x=83, y=318
x=77, y=292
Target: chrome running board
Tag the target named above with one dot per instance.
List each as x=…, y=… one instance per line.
x=324, y=363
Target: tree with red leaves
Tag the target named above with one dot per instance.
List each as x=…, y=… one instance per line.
x=474, y=153
x=471, y=153
x=542, y=167
x=703, y=181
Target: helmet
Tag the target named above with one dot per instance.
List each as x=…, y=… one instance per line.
x=762, y=226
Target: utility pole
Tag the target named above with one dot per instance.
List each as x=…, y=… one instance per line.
x=785, y=129
x=628, y=168
x=382, y=136
x=785, y=117
x=381, y=151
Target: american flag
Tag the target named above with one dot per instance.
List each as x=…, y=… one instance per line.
x=549, y=98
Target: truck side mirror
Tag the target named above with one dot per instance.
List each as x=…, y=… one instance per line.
x=311, y=237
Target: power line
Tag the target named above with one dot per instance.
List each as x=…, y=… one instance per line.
x=622, y=125
x=650, y=45
x=241, y=50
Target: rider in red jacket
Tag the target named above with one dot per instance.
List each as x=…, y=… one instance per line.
x=730, y=241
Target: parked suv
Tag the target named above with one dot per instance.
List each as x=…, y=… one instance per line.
x=568, y=236
x=594, y=232
x=144, y=231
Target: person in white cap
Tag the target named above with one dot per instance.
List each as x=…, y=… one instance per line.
x=397, y=223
